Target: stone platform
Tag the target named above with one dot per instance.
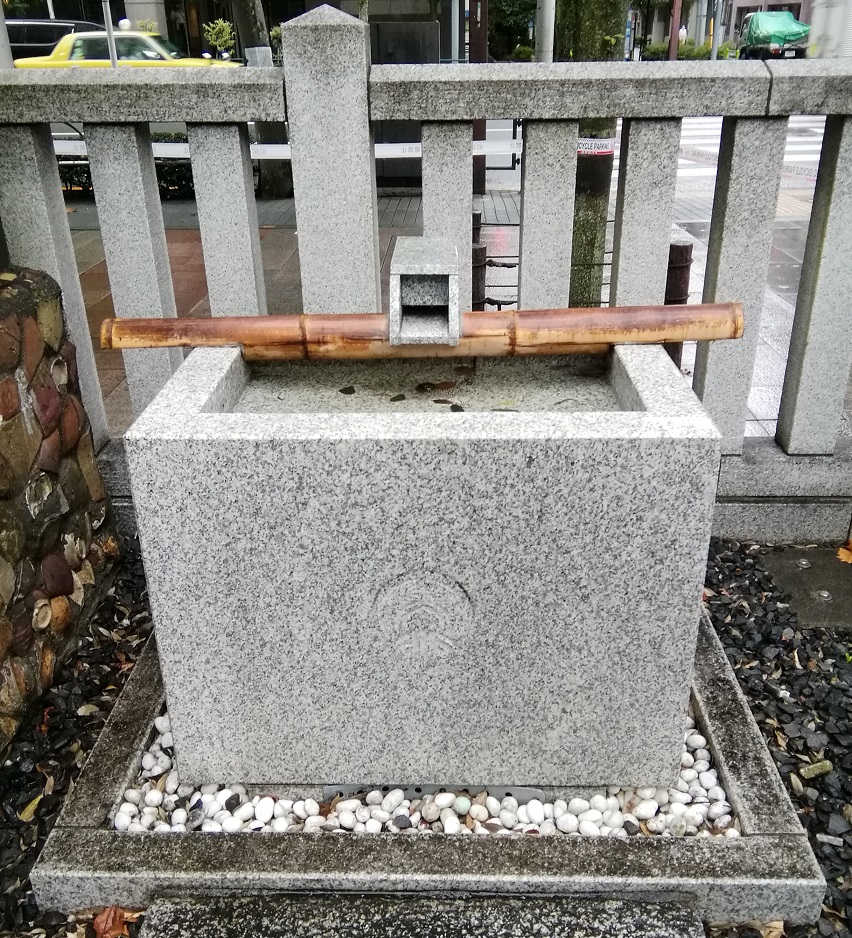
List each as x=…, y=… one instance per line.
x=767, y=874
x=416, y=917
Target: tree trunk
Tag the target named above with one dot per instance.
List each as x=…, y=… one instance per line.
x=276, y=176
x=587, y=31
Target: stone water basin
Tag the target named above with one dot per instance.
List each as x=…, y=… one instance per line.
x=499, y=588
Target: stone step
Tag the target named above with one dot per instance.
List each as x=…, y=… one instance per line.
x=363, y=916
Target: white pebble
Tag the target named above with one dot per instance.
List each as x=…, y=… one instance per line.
x=149, y=811
x=645, y=794
x=679, y=797
x=548, y=828
x=167, y=742
x=264, y=810
x=676, y=809
x=717, y=794
x=374, y=797
x=509, y=803
x=162, y=828
x=245, y=812
x=281, y=809
x=646, y=809
x=280, y=824
x=212, y=808
x=559, y=808
x=133, y=795
x=359, y=828
x=597, y=803
x=178, y=828
x=696, y=741
x=548, y=811
x=657, y=824
x=567, y=823
x=688, y=775
x=523, y=817
x=383, y=817
x=661, y=796
x=311, y=807
x=220, y=816
x=147, y=820
x=347, y=819
x=478, y=812
x=508, y=819
x=373, y=826
x=450, y=821
x=578, y=805
x=393, y=799
x=128, y=808
x=723, y=823
x=694, y=817
x=172, y=782
x=313, y=823
x=210, y=827
x=350, y=804
x=732, y=832
x=493, y=806
x=149, y=761
x=708, y=779
x=154, y=798
x=209, y=789
x=701, y=765
x=687, y=760
x=223, y=795
x=299, y=810
x=591, y=816
x=678, y=826
x=702, y=755
x=184, y=791
x=614, y=820
x=588, y=829
x=230, y=824
x=163, y=724
x=717, y=809
x=178, y=816
x=122, y=821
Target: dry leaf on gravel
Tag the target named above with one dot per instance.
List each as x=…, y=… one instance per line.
x=112, y=922
x=845, y=553
x=772, y=930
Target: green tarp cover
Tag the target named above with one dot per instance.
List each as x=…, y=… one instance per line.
x=780, y=28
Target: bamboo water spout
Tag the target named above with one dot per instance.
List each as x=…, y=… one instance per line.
x=365, y=335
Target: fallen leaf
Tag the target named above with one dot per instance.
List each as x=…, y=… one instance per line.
x=425, y=387
x=845, y=553
x=441, y=400
x=111, y=923
x=445, y=385
x=457, y=408
x=86, y=709
x=349, y=389
x=772, y=930
x=397, y=397
x=28, y=812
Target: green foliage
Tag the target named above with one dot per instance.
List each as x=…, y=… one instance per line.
x=508, y=26
x=15, y=8
x=275, y=39
x=219, y=35
x=589, y=30
x=523, y=54
x=146, y=26
x=686, y=51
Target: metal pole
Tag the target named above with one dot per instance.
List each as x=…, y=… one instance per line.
x=50, y=12
x=717, y=17
x=454, y=30
x=6, y=60
x=110, y=34
x=545, y=17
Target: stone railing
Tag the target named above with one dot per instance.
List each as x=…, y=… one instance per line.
x=332, y=94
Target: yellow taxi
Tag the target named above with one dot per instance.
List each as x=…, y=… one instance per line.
x=90, y=50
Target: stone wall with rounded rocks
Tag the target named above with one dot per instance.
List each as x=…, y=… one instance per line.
x=56, y=537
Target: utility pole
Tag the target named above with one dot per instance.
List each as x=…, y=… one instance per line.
x=717, y=16
x=674, y=37
x=545, y=16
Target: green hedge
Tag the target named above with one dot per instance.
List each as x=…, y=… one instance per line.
x=659, y=51
x=174, y=176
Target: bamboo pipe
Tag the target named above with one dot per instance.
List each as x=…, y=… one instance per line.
x=365, y=335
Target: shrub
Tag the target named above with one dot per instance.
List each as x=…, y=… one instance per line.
x=522, y=54
x=219, y=35
x=659, y=51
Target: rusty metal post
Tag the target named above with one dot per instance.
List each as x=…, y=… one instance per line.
x=677, y=288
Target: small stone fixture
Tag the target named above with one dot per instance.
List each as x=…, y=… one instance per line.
x=56, y=542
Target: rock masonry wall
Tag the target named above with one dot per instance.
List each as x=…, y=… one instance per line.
x=56, y=538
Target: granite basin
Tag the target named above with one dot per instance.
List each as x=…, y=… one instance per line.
x=448, y=572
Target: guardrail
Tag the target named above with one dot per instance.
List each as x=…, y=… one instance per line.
x=332, y=95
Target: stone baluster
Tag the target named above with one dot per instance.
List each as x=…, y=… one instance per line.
x=131, y=221
x=37, y=235
x=751, y=156
x=548, y=179
x=227, y=215
x=820, y=358
x=448, y=192
x=647, y=177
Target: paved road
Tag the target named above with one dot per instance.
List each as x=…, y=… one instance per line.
x=699, y=150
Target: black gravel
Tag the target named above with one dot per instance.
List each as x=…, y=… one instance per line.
x=798, y=682
x=54, y=739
